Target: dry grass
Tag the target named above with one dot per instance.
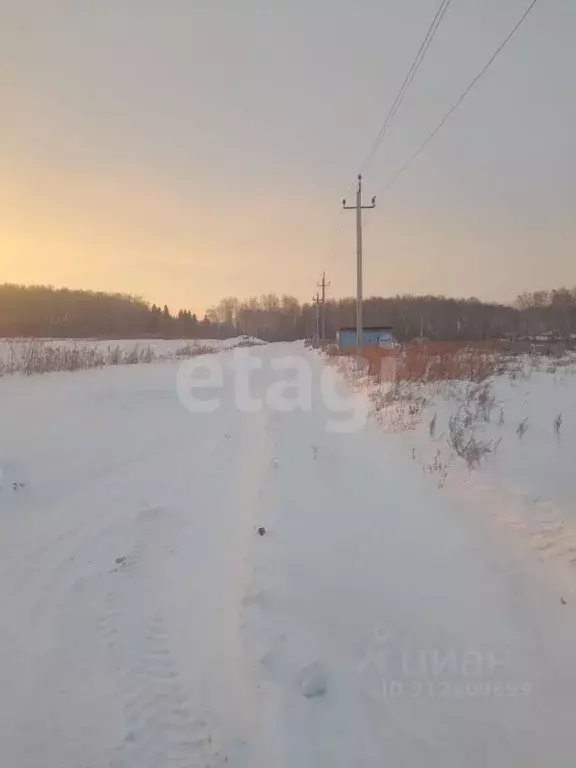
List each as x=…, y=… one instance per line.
x=401, y=407
x=441, y=361
x=475, y=404
x=410, y=376
x=31, y=358
x=558, y=421
x=405, y=380
x=438, y=467
x=463, y=440
x=37, y=357
x=193, y=349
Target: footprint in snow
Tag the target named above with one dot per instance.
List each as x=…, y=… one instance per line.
x=312, y=680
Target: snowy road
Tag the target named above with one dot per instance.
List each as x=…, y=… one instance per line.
x=145, y=624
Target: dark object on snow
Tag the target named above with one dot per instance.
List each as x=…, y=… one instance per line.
x=312, y=680
x=563, y=601
x=262, y=531
x=120, y=560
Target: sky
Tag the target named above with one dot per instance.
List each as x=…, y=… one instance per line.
x=186, y=150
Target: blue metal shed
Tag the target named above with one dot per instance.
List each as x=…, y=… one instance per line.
x=372, y=336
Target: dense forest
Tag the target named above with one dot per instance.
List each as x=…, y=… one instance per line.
x=35, y=311
x=38, y=311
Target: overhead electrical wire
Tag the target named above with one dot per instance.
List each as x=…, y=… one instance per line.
x=419, y=58
x=455, y=106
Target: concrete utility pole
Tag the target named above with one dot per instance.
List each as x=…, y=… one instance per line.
x=316, y=334
x=359, y=208
x=323, y=285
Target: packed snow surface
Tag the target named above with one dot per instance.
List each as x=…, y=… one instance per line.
x=146, y=624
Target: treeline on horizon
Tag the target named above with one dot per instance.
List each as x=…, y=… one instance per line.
x=47, y=312
x=550, y=314
x=41, y=311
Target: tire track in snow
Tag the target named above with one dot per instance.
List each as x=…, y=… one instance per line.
x=162, y=727
x=138, y=663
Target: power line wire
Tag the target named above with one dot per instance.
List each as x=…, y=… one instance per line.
x=419, y=58
x=462, y=97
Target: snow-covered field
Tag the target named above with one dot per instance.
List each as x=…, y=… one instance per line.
x=39, y=356
x=381, y=620
x=527, y=480
x=162, y=349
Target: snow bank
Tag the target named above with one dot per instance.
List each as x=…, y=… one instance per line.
x=527, y=481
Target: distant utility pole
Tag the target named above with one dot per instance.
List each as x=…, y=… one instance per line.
x=359, y=208
x=316, y=333
x=323, y=285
